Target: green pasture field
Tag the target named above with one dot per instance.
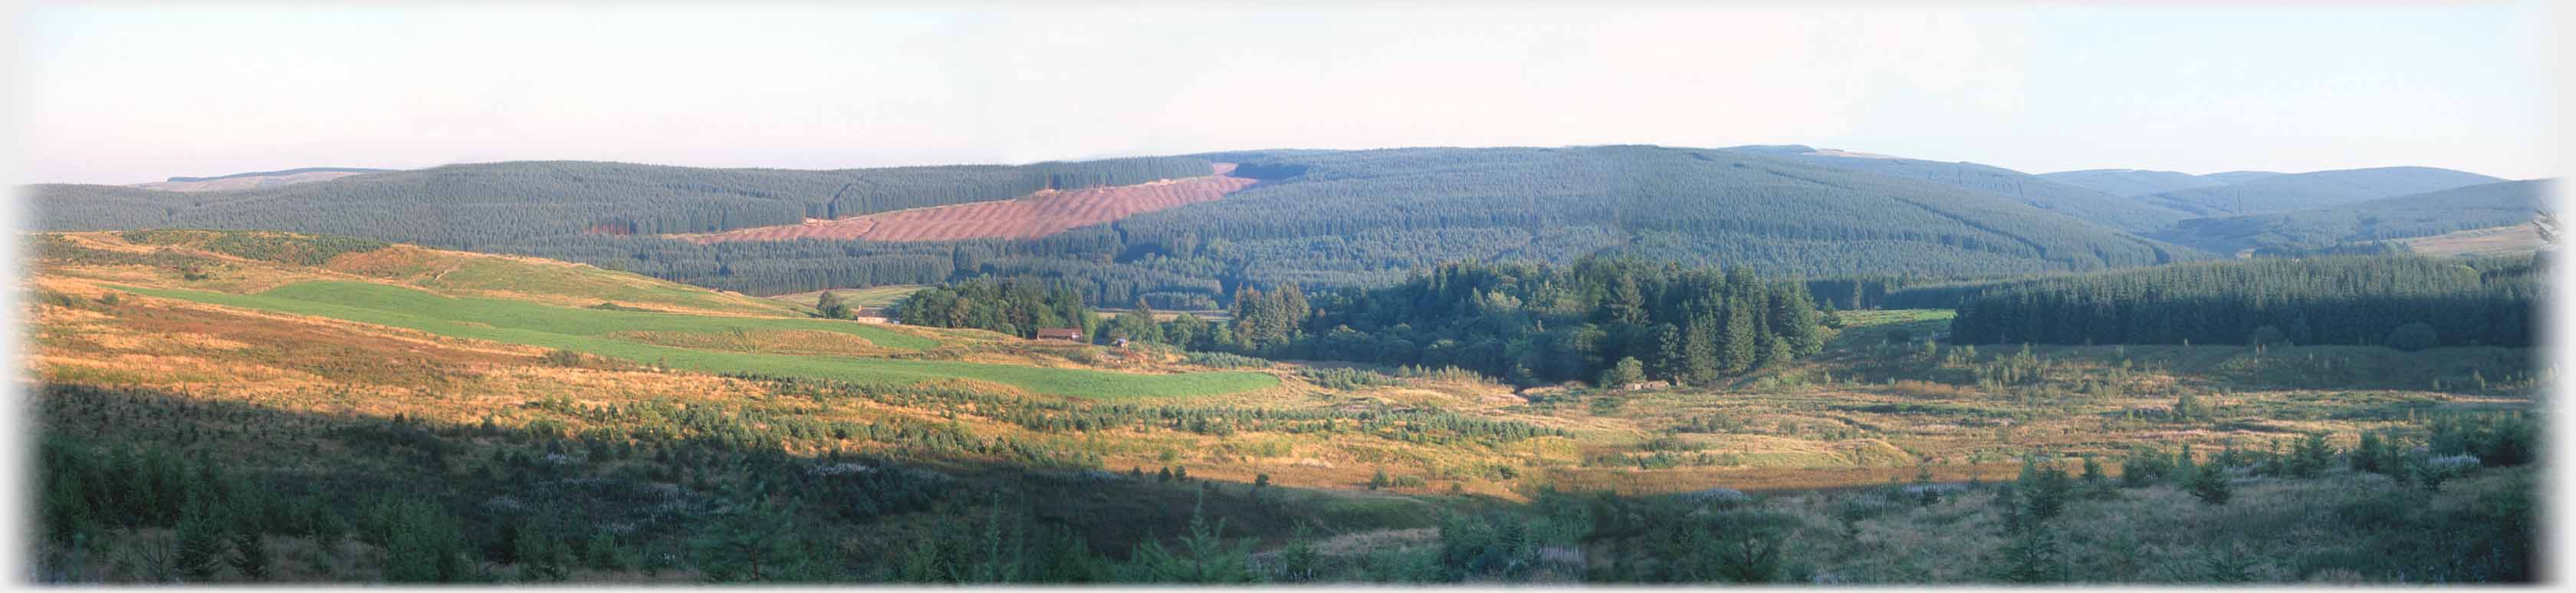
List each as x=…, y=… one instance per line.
x=585, y=330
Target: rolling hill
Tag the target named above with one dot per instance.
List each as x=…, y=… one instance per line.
x=255, y=180
x=2419, y=215
x=1316, y=217
x=1357, y=214
x=476, y=206
x=2131, y=182
x=1040, y=214
x=517, y=304
x=2312, y=190
x=2038, y=191
x=2240, y=176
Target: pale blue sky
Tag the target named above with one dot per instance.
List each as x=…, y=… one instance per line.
x=125, y=93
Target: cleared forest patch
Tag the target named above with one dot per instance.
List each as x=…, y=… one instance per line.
x=1037, y=215
x=2503, y=240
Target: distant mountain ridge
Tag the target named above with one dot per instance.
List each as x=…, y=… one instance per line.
x=2401, y=217
x=285, y=172
x=2317, y=189
x=2240, y=176
x=1314, y=217
x=1319, y=218
x=2080, y=202
x=259, y=179
x=2130, y=183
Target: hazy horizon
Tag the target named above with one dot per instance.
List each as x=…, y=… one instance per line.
x=121, y=95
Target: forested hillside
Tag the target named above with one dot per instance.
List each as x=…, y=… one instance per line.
x=2402, y=302
x=2131, y=182
x=2311, y=190
x=2418, y=215
x=1775, y=214
x=1323, y=218
x=488, y=206
x=279, y=173
x=2038, y=191
x=2229, y=177
x=255, y=179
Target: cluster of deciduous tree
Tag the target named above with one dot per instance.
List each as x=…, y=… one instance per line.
x=2402, y=302
x=1607, y=320
x=1016, y=306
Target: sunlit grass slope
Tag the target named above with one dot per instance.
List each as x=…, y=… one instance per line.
x=587, y=330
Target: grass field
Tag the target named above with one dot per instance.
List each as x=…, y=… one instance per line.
x=2504, y=240
x=585, y=330
x=1865, y=328
x=516, y=279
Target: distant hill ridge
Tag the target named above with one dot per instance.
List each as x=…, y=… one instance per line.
x=2130, y=183
x=2402, y=217
x=2313, y=190
x=283, y=172
x=1320, y=218
x=2038, y=191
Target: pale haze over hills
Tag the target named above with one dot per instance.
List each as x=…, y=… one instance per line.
x=2030, y=89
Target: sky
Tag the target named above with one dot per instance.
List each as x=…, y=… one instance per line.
x=129, y=93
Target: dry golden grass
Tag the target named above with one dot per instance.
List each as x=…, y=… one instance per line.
x=2504, y=240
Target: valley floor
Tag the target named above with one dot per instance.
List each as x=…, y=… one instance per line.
x=355, y=407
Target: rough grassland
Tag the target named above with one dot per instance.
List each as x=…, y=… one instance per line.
x=584, y=330
x=2503, y=240
x=545, y=281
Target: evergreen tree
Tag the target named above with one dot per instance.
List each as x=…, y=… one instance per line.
x=2209, y=484
x=2369, y=453
x=421, y=542
x=1740, y=344
x=1672, y=354
x=2032, y=556
x=751, y=539
x=201, y=539
x=540, y=557
x=250, y=555
x=2312, y=456
x=66, y=510
x=2184, y=470
x=1704, y=352
x=1203, y=557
